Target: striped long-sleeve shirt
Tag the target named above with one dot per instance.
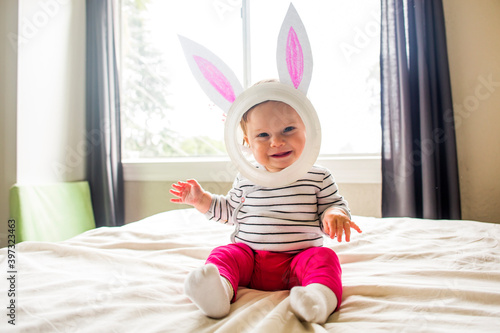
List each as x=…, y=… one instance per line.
x=283, y=219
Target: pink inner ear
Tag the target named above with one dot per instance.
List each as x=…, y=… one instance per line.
x=216, y=78
x=294, y=58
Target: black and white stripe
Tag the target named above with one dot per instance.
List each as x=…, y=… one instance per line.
x=279, y=219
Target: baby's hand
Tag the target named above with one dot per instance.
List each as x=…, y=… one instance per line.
x=188, y=192
x=336, y=222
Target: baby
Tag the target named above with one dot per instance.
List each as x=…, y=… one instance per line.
x=277, y=242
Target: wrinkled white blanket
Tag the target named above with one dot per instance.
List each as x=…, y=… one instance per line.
x=400, y=275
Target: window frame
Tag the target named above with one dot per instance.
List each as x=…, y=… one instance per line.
x=355, y=169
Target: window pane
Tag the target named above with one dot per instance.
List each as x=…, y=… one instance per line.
x=345, y=85
x=164, y=112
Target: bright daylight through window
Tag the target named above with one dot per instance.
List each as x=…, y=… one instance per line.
x=166, y=114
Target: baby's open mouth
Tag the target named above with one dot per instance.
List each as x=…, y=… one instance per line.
x=283, y=154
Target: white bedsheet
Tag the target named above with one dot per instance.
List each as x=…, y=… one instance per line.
x=400, y=275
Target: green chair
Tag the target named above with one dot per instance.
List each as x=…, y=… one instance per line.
x=51, y=212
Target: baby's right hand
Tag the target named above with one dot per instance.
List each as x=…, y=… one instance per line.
x=188, y=192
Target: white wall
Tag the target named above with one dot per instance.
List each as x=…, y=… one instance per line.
x=48, y=113
x=51, y=91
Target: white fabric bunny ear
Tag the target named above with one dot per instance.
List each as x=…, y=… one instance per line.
x=294, y=56
x=216, y=79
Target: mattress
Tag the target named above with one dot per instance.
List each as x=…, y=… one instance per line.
x=399, y=275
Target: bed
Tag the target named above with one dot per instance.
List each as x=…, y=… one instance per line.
x=399, y=275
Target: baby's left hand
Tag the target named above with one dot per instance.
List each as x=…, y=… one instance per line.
x=336, y=222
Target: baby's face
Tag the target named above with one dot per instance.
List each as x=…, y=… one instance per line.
x=276, y=135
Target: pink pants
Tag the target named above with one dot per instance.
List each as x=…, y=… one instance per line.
x=271, y=271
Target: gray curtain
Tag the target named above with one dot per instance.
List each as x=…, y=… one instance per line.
x=419, y=159
x=104, y=168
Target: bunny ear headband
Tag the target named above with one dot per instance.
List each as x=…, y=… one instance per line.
x=294, y=62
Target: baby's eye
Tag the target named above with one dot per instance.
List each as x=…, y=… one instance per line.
x=262, y=135
x=288, y=129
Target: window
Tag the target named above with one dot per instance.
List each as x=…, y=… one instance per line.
x=166, y=115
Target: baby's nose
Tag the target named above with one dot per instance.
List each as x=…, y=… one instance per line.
x=277, y=141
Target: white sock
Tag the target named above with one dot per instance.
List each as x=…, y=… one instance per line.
x=209, y=291
x=313, y=303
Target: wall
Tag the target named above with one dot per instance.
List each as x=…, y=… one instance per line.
x=46, y=108
x=51, y=91
x=145, y=198
x=473, y=30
